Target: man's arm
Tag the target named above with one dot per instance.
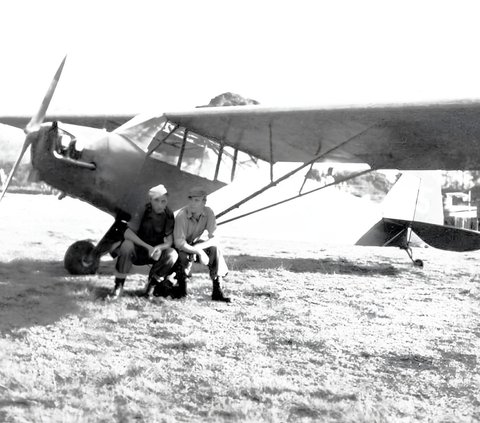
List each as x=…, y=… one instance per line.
x=210, y=242
x=169, y=227
x=211, y=228
x=157, y=249
x=132, y=236
x=179, y=236
x=167, y=243
x=154, y=252
x=198, y=248
x=185, y=246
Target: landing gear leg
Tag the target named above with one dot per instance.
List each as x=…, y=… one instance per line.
x=83, y=258
x=417, y=262
x=401, y=238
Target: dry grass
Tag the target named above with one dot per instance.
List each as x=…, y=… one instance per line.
x=314, y=334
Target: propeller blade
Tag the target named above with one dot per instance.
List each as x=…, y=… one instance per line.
x=26, y=144
x=38, y=118
x=34, y=124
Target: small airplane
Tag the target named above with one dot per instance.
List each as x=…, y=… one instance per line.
x=413, y=214
x=110, y=161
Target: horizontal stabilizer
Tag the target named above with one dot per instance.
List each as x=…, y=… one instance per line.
x=447, y=237
x=395, y=232
x=385, y=233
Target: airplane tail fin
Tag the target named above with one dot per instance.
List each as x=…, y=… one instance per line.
x=402, y=224
x=415, y=197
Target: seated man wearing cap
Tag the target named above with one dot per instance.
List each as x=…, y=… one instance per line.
x=190, y=223
x=148, y=240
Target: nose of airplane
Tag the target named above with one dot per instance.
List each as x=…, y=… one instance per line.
x=34, y=125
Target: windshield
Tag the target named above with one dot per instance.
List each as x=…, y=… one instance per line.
x=190, y=152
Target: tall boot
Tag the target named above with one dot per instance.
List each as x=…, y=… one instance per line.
x=151, y=285
x=180, y=289
x=217, y=293
x=118, y=290
x=163, y=288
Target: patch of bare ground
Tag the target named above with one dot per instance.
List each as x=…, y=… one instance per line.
x=341, y=334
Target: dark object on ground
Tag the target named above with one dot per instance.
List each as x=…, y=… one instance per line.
x=79, y=261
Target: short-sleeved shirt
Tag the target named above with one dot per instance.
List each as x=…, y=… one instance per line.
x=154, y=227
x=189, y=228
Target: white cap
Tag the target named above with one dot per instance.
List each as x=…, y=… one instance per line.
x=157, y=191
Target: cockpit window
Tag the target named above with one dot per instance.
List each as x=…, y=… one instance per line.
x=199, y=155
x=167, y=144
x=191, y=152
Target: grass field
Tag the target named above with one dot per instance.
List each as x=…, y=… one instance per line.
x=314, y=333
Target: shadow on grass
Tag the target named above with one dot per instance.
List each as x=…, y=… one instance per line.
x=102, y=293
x=38, y=292
x=309, y=265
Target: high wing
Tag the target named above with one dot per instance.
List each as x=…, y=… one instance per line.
x=101, y=121
x=408, y=136
x=404, y=136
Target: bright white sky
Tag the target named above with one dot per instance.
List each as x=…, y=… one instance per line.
x=134, y=56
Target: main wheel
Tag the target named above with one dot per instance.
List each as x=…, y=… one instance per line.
x=78, y=260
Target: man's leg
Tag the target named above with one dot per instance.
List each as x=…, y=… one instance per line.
x=218, y=270
x=125, y=257
x=159, y=271
x=183, y=270
x=164, y=265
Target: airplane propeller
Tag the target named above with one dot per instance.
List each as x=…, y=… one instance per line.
x=34, y=124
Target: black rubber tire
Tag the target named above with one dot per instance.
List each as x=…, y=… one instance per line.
x=418, y=263
x=74, y=261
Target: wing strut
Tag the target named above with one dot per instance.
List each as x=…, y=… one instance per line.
x=182, y=148
x=219, y=160
x=282, y=178
x=309, y=170
x=234, y=166
x=271, y=151
x=300, y=194
x=151, y=150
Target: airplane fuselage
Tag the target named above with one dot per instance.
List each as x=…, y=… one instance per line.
x=107, y=170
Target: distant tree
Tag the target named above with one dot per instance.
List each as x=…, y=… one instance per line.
x=314, y=174
x=230, y=99
x=457, y=181
x=372, y=184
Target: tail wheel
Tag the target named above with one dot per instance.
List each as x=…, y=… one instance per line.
x=418, y=263
x=79, y=261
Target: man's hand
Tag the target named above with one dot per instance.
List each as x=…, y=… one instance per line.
x=155, y=253
x=203, y=257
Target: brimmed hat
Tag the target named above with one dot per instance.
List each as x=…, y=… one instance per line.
x=197, y=192
x=157, y=191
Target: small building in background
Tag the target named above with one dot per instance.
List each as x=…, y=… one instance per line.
x=459, y=211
